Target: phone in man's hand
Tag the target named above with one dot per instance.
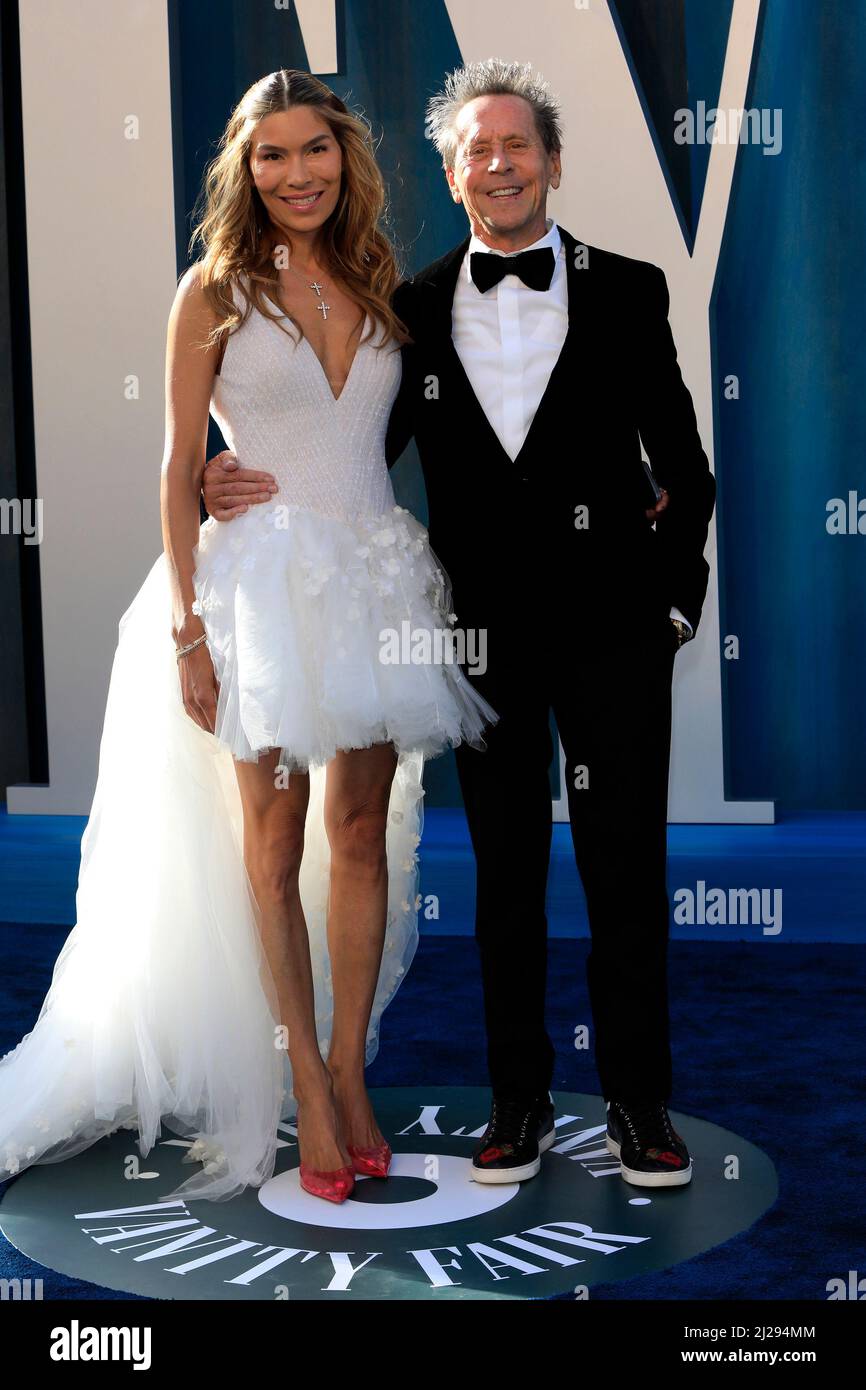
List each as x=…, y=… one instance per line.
x=653, y=485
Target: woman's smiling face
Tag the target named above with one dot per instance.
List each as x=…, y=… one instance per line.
x=296, y=164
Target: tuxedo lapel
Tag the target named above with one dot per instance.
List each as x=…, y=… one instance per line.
x=454, y=383
x=559, y=393
x=441, y=287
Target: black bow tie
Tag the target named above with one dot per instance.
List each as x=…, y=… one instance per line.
x=535, y=268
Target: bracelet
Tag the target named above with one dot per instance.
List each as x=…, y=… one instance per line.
x=182, y=651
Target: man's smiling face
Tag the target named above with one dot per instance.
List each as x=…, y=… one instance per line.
x=502, y=171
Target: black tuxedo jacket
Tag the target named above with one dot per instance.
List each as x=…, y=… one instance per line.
x=505, y=530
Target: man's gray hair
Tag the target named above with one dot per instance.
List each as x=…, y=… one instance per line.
x=493, y=77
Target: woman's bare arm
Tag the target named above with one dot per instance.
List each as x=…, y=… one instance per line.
x=189, y=374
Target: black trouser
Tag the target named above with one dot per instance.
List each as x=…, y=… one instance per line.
x=611, y=697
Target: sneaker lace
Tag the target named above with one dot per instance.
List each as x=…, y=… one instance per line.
x=650, y=1121
x=506, y=1116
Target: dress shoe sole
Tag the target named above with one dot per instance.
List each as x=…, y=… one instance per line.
x=522, y=1174
x=638, y=1179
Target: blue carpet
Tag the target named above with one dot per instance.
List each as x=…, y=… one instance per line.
x=768, y=1041
x=817, y=862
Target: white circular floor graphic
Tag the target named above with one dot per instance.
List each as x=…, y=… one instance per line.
x=455, y=1197
x=427, y=1231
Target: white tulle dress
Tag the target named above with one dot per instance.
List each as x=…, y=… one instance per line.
x=161, y=1014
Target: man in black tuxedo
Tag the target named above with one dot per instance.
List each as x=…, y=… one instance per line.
x=538, y=366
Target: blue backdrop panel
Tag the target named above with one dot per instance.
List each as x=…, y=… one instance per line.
x=789, y=323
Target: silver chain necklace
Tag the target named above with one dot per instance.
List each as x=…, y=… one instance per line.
x=317, y=290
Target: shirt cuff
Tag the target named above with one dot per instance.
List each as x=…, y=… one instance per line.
x=675, y=613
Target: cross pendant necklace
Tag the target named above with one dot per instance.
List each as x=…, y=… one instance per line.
x=314, y=285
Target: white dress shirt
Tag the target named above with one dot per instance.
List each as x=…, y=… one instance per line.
x=509, y=339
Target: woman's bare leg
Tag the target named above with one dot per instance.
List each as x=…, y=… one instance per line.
x=274, y=822
x=357, y=794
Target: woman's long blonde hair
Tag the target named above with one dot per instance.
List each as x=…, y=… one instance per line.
x=235, y=230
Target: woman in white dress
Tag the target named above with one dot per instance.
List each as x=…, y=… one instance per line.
x=247, y=901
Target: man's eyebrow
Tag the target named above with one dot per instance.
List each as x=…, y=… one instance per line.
x=480, y=139
x=281, y=149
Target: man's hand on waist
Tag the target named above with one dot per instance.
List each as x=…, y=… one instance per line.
x=229, y=490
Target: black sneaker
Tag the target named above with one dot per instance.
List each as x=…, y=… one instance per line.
x=650, y=1151
x=518, y=1134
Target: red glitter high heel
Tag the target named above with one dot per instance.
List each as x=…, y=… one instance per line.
x=373, y=1162
x=334, y=1185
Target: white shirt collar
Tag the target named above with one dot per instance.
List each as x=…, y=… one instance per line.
x=551, y=238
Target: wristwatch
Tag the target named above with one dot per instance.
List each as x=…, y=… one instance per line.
x=684, y=632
